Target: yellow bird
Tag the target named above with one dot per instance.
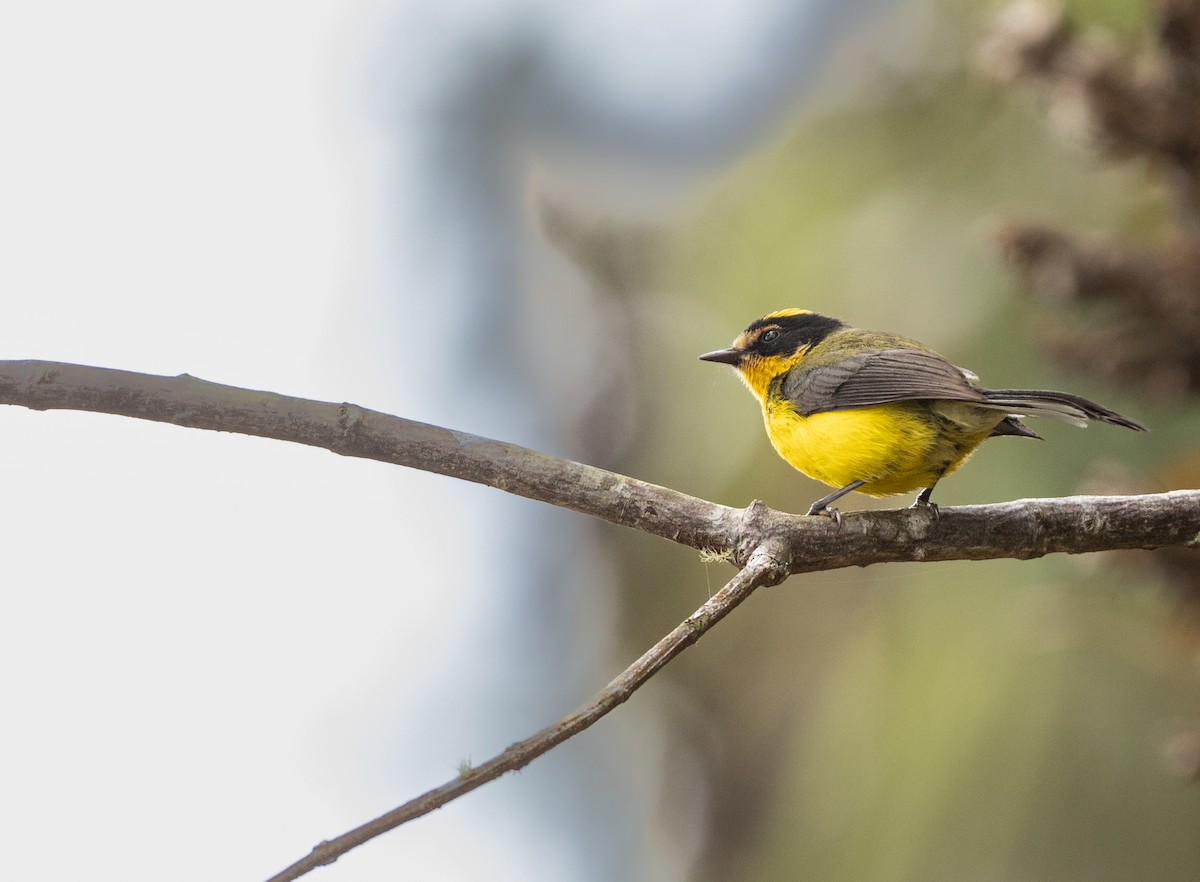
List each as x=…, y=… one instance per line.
x=876, y=413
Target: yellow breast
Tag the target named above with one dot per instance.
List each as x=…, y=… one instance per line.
x=894, y=448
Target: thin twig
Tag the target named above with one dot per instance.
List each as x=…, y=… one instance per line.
x=768, y=565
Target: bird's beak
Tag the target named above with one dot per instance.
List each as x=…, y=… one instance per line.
x=725, y=356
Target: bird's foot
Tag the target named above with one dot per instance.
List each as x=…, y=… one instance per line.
x=922, y=501
x=825, y=511
x=821, y=506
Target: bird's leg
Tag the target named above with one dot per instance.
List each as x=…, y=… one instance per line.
x=922, y=501
x=820, y=507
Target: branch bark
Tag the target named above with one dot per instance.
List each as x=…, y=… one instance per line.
x=351, y=430
x=1022, y=529
x=767, y=545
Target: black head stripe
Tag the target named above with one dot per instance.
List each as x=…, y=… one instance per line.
x=796, y=331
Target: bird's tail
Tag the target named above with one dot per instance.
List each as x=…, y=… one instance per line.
x=1073, y=409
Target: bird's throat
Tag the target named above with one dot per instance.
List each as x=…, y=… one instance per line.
x=758, y=373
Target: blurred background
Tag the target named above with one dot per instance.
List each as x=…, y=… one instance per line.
x=526, y=220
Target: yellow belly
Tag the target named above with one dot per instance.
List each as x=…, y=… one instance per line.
x=894, y=448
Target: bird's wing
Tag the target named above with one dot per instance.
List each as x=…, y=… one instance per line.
x=878, y=376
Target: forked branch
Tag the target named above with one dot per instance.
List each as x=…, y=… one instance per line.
x=767, y=545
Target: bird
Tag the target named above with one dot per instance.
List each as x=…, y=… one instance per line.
x=876, y=413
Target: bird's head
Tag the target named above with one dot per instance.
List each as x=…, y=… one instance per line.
x=773, y=344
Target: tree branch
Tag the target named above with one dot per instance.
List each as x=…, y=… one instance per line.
x=351, y=430
x=768, y=545
x=1022, y=529
x=768, y=565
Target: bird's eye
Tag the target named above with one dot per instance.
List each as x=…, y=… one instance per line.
x=770, y=336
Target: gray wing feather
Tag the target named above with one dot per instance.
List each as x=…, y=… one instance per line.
x=879, y=376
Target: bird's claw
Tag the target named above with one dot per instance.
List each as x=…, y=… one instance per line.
x=825, y=511
x=931, y=507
